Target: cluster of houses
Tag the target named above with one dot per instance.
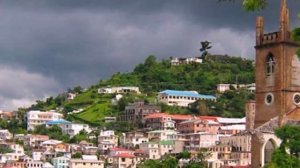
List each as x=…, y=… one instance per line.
x=159, y=134
x=162, y=134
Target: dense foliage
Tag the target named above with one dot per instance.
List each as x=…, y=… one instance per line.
x=54, y=132
x=170, y=161
x=153, y=76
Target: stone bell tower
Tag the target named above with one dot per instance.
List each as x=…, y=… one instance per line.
x=277, y=71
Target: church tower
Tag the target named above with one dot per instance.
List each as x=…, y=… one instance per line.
x=277, y=71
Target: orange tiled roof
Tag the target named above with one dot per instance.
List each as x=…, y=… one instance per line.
x=212, y=118
x=173, y=116
x=181, y=117
x=8, y=113
x=125, y=155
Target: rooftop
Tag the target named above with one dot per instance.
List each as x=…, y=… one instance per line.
x=231, y=120
x=172, y=116
x=124, y=155
x=89, y=157
x=59, y=121
x=187, y=93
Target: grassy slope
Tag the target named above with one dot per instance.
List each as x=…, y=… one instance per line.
x=155, y=76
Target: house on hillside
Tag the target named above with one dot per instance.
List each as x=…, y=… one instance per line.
x=180, y=61
x=137, y=111
x=224, y=87
x=182, y=98
x=35, y=118
x=119, y=90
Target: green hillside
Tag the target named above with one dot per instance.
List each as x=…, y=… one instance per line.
x=153, y=76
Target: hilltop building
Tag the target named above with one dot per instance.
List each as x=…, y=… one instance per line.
x=224, y=87
x=182, y=98
x=35, y=118
x=137, y=111
x=119, y=90
x=277, y=96
x=181, y=61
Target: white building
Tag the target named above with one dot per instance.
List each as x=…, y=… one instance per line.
x=196, y=141
x=151, y=150
x=224, y=87
x=155, y=150
x=120, y=90
x=87, y=161
x=74, y=129
x=180, y=61
x=5, y=134
x=133, y=139
x=107, y=139
x=61, y=162
x=71, y=96
x=35, y=118
x=162, y=135
x=182, y=98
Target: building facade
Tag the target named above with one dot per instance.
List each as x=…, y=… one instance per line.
x=137, y=111
x=182, y=98
x=35, y=118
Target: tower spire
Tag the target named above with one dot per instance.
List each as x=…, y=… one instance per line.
x=284, y=20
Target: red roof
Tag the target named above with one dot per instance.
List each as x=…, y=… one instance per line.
x=181, y=117
x=172, y=116
x=212, y=118
x=118, y=149
x=124, y=155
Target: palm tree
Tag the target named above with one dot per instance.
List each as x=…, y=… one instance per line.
x=205, y=45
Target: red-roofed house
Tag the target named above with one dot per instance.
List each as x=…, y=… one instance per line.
x=198, y=125
x=117, y=151
x=7, y=115
x=164, y=121
x=124, y=160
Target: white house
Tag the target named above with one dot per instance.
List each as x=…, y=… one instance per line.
x=74, y=129
x=120, y=90
x=162, y=135
x=133, y=139
x=35, y=118
x=224, y=87
x=180, y=61
x=87, y=161
x=182, y=98
x=61, y=162
x=107, y=139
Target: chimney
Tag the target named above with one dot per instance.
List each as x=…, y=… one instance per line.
x=250, y=114
x=259, y=29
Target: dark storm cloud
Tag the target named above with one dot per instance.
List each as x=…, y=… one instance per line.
x=78, y=42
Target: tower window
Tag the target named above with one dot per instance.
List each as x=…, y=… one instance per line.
x=270, y=65
x=296, y=98
x=269, y=98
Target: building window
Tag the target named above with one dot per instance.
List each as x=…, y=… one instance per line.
x=296, y=98
x=123, y=159
x=270, y=65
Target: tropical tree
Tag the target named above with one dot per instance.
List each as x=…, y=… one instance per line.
x=205, y=45
x=287, y=155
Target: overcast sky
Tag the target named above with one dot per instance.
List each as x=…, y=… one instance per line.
x=47, y=46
